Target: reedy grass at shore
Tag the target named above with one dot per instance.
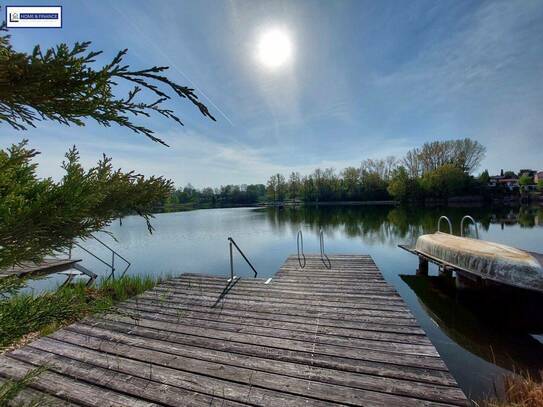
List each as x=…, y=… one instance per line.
x=520, y=390
x=30, y=315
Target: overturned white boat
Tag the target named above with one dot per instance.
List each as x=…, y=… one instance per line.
x=479, y=258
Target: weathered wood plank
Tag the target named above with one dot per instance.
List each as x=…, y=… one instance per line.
x=271, y=291
x=339, y=363
x=362, y=315
x=44, y=267
x=369, y=353
x=103, y=373
x=313, y=329
x=311, y=336
x=396, y=347
x=321, y=305
x=271, y=320
x=392, y=300
x=323, y=290
x=223, y=365
x=29, y=396
x=148, y=380
x=67, y=388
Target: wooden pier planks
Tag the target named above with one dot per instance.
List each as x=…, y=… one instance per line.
x=46, y=266
x=311, y=337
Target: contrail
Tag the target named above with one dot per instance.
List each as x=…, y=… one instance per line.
x=170, y=62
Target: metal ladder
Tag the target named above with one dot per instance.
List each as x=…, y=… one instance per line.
x=300, y=245
x=233, y=280
x=461, y=225
x=233, y=244
x=110, y=265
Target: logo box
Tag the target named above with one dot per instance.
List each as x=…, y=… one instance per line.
x=34, y=16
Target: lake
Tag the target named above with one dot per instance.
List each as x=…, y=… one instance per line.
x=479, y=338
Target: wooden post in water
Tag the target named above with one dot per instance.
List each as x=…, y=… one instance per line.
x=445, y=271
x=423, y=267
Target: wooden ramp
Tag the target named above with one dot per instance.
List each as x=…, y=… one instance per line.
x=45, y=267
x=311, y=337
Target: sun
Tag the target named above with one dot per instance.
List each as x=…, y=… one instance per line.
x=274, y=48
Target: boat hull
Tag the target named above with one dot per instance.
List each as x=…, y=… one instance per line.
x=494, y=261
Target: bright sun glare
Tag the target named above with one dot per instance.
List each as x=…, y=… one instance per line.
x=274, y=48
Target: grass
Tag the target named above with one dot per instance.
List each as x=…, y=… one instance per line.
x=11, y=388
x=520, y=390
x=29, y=315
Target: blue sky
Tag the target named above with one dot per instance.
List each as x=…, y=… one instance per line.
x=367, y=79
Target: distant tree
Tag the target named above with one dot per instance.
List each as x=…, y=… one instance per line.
x=465, y=154
x=330, y=186
x=399, y=186
x=351, y=182
x=294, y=185
x=484, y=178
x=509, y=174
x=309, y=190
x=412, y=163
x=382, y=168
x=540, y=185
x=276, y=188
x=445, y=181
x=525, y=180
x=41, y=216
x=62, y=84
x=374, y=177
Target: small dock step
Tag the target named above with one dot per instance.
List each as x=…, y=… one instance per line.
x=44, y=267
x=315, y=336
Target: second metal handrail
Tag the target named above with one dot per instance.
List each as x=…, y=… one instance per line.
x=300, y=242
x=448, y=221
x=233, y=244
x=474, y=223
x=327, y=263
x=114, y=254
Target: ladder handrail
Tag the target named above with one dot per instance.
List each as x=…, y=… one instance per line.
x=448, y=221
x=323, y=255
x=111, y=265
x=232, y=242
x=110, y=249
x=474, y=223
x=300, y=238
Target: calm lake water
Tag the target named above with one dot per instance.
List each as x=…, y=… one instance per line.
x=478, y=337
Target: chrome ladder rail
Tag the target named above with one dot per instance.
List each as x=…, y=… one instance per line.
x=233, y=280
x=327, y=263
x=472, y=221
x=300, y=243
x=448, y=221
x=233, y=244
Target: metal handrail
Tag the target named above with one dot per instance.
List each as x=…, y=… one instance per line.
x=448, y=221
x=323, y=255
x=111, y=265
x=300, y=239
x=110, y=249
x=474, y=223
x=232, y=242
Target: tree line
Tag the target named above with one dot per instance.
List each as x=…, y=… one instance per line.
x=438, y=169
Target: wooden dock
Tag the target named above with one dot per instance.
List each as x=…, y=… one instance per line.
x=44, y=267
x=311, y=337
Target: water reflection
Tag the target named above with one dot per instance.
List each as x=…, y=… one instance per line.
x=386, y=225
x=494, y=325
